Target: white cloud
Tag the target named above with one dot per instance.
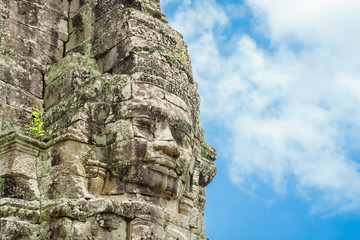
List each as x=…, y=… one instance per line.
x=198, y=17
x=311, y=21
x=293, y=113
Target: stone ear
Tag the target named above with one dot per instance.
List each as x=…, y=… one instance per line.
x=207, y=174
x=207, y=168
x=208, y=152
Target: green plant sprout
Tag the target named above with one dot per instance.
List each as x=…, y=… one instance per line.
x=176, y=57
x=36, y=126
x=181, y=57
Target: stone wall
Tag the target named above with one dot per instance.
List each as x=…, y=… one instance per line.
x=123, y=154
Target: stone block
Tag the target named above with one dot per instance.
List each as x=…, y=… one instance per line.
x=163, y=65
x=22, y=74
x=21, y=188
x=48, y=43
x=81, y=29
x=127, y=153
x=109, y=31
x=123, y=129
x=102, y=226
x=66, y=76
x=27, y=50
x=110, y=222
x=41, y=18
x=186, y=206
x=77, y=5
x=71, y=156
x=60, y=6
x=55, y=92
x=103, y=7
x=141, y=229
x=75, y=63
x=27, y=210
x=150, y=7
x=118, y=55
x=44, y=164
x=17, y=164
x=177, y=232
x=13, y=119
x=60, y=228
x=143, y=30
x=102, y=154
x=13, y=229
x=21, y=99
x=58, y=185
x=177, y=219
x=100, y=112
x=113, y=185
x=3, y=92
x=154, y=32
x=82, y=19
x=118, y=90
x=128, y=35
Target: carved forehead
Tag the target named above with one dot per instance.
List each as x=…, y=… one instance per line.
x=149, y=99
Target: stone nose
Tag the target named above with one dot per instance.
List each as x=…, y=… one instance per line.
x=168, y=147
x=166, y=143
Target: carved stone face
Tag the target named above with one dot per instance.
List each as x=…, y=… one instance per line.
x=153, y=148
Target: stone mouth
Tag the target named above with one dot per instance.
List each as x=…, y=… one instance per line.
x=165, y=161
x=164, y=169
x=163, y=180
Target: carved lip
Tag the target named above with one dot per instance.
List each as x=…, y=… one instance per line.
x=162, y=169
x=167, y=162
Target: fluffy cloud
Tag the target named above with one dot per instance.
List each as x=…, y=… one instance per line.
x=292, y=107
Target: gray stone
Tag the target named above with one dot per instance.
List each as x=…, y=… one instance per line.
x=123, y=154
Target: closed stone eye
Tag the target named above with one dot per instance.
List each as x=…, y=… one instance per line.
x=145, y=126
x=178, y=136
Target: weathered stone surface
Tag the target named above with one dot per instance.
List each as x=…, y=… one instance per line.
x=123, y=154
x=27, y=210
x=13, y=229
x=16, y=163
x=22, y=74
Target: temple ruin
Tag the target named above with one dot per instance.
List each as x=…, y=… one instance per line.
x=122, y=155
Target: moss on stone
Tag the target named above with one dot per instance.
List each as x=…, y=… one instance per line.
x=74, y=62
x=2, y=180
x=153, y=13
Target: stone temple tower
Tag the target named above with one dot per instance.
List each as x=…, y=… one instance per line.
x=122, y=155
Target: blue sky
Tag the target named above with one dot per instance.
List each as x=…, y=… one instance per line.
x=280, y=90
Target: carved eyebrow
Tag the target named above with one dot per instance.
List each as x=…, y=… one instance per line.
x=157, y=113
x=179, y=122
x=141, y=111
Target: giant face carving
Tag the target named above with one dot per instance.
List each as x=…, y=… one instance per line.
x=152, y=153
x=110, y=137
